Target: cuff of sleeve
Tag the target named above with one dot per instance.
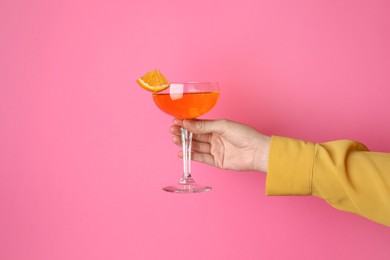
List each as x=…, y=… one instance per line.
x=290, y=167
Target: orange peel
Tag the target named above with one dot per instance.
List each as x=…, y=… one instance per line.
x=153, y=81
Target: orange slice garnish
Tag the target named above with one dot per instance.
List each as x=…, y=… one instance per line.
x=153, y=81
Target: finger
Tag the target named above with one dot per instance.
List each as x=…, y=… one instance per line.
x=200, y=157
x=203, y=158
x=201, y=147
x=202, y=138
x=178, y=122
x=175, y=130
x=176, y=140
x=206, y=126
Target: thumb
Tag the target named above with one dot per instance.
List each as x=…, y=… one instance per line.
x=205, y=126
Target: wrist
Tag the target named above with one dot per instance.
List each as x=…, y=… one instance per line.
x=261, y=158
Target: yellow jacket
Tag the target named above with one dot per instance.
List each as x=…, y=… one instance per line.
x=343, y=173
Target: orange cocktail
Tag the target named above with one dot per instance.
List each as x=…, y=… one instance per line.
x=187, y=100
x=186, y=105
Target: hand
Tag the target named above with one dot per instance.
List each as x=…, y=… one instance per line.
x=225, y=144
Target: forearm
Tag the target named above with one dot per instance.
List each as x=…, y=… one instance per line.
x=344, y=173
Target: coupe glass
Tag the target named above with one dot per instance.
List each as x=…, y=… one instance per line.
x=187, y=100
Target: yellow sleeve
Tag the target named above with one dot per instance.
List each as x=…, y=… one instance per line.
x=343, y=173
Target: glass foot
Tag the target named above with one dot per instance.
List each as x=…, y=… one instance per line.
x=187, y=185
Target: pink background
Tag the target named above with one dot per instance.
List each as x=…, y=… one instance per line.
x=84, y=151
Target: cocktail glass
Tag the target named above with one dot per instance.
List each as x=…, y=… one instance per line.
x=187, y=100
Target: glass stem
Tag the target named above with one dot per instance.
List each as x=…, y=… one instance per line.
x=186, y=139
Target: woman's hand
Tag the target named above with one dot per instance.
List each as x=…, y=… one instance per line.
x=225, y=144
